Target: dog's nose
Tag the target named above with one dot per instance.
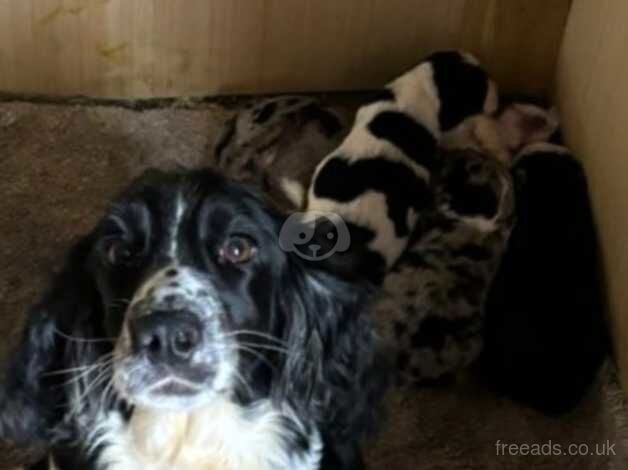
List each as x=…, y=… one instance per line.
x=166, y=335
x=314, y=248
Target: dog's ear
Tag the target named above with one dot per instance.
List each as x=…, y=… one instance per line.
x=29, y=393
x=332, y=365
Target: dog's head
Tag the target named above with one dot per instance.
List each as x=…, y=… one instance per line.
x=181, y=294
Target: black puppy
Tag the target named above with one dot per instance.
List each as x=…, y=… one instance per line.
x=180, y=335
x=545, y=334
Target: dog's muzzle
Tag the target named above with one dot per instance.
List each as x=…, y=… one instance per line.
x=173, y=350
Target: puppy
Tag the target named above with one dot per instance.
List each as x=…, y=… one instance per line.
x=379, y=178
x=433, y=299
x=180, y=335
x=545, y=330
x=433, y=308
x=277, y=143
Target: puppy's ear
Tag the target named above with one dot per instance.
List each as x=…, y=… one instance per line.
x=520, y=124
x=332, y=365
x=30, y=397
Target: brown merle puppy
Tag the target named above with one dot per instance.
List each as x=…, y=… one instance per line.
x=277, y=143
x=433, y=298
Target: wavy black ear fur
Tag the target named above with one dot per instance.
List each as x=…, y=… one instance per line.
x=333, y=369
x=30, y=396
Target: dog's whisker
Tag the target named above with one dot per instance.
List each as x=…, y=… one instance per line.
x=83, y=340
x=86, y=374
x=108, y=393
x=267, y=347
x=103, y=359
x=102, y=376
x=243, y=381
x=254, y=353
x=255, y=333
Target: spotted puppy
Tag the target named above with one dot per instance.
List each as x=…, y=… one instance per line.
x=379, y=178
x=434, y=298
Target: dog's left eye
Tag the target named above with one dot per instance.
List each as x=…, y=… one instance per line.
x=236, y=250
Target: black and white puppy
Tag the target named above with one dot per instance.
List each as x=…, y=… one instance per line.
x=546, y=335
x=378, y=180
x=179, y=335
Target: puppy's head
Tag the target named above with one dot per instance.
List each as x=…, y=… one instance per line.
x=185, y=287
x=464, y=87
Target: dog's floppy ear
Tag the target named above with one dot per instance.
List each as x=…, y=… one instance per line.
x=332, y=366
x=29, y=395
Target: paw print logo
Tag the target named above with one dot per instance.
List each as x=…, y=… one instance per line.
x=314, y=235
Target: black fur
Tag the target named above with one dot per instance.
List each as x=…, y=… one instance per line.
x=462, y=87
x=344, y=181
x=332, y=375
x=407, y=135
x=545, y=334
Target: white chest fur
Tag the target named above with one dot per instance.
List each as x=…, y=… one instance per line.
x=222, y=436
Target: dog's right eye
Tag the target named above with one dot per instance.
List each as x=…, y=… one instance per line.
x=237, y=250
x=119, y=252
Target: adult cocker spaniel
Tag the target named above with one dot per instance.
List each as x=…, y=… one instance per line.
x=180, y=335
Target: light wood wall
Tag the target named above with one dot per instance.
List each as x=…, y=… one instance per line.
x=592, y=89
x=147, y=48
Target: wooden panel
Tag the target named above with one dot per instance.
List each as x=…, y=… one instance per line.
x=142, y=48
x=593, y=96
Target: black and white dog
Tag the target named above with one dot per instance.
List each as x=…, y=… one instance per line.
x=179, y=335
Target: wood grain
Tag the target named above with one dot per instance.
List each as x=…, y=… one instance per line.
x=147, y=48
x=593, y=97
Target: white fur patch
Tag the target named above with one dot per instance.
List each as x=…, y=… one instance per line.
x=416, y=94
x=294, y=191
x=174, y=234
x=370, y=210
x=220, y=436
